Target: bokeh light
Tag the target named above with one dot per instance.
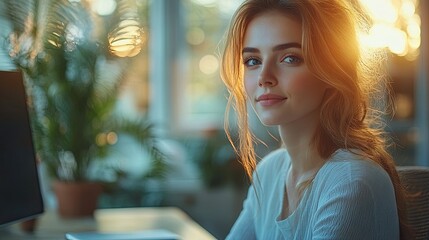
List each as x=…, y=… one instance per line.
x=195, y=36
x=209, y=64
x=396, y=27
x=205, y=3
x=104, y=7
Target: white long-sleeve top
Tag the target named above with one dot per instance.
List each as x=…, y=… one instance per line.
x=349, y=198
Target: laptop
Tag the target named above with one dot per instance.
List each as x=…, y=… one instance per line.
x=20, y=195
x=155, y=234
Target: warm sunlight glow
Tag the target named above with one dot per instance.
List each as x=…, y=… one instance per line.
x=408, y=9
x=381, y=10
x=398, y=44
x=396, y=27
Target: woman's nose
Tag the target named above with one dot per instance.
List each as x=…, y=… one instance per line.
x=267, y=77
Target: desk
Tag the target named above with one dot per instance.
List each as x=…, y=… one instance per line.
x=51, y=226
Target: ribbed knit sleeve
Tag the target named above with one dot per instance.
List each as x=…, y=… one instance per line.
x=244, y=227
x=247, y=226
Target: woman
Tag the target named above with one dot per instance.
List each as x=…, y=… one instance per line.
x=299, y=64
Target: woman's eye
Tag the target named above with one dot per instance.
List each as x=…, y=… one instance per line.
x=251, y=62
x=292, y=59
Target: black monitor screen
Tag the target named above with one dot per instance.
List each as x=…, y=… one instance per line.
x=20, y=195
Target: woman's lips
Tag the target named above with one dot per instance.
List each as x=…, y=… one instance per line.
x=267, y=100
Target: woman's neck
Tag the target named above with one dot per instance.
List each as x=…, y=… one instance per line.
x=304, y=160
x=298, y=140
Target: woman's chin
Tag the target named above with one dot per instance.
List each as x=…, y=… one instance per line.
x=269, y=122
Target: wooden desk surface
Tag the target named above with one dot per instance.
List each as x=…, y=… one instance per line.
x=134, y=219
x=51, y=226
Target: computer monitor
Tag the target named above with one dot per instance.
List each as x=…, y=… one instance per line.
x=20, y=194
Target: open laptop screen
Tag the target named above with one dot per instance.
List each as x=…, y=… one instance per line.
x=20, y=195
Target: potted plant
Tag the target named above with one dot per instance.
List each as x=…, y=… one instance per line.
x=73, y=79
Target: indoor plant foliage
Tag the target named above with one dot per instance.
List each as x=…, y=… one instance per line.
x=73, y=80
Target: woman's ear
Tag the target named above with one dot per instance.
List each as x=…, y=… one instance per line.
x=329, y=92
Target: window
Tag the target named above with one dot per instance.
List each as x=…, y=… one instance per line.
x=188, y=94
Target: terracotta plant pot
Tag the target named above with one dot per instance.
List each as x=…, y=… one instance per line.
x=29, y=225
x=77, y=199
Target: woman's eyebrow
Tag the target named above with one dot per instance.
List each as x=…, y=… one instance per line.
x=286, y=46
x=275, y=48
x=250, y=50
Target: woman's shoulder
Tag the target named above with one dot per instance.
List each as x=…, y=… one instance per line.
x=349, y=167
x=273, y=161
x=359, y=193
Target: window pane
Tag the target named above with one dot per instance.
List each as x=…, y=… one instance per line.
x=205, y=94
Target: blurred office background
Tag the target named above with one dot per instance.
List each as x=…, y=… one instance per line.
x=173, y=80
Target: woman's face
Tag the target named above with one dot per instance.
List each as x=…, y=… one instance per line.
x=277, y=81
